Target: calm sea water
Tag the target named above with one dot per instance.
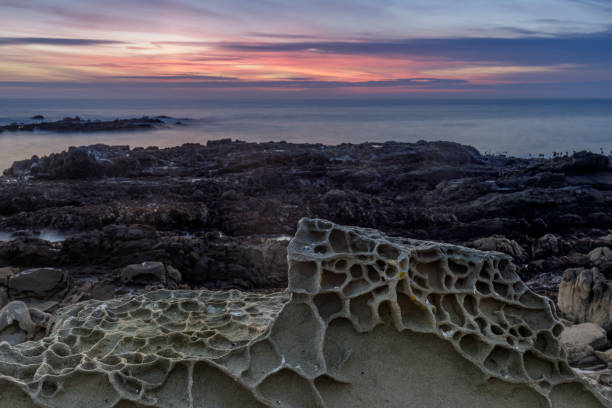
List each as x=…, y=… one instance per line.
x=516, y=127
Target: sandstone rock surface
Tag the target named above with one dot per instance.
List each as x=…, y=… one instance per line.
x=368, y=320
x=582, y=342
x=18, y=322
x=585, y=295
x=590, y=334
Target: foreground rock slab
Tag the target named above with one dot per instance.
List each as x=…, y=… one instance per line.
x=368, y=320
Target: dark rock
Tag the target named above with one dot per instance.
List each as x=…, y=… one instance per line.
x=38, y=282
x=587, y=162
x=212, y=211
x=6, y=273
x=500, y=244
x=145, y=273
x=77, y=125
x=547, y=245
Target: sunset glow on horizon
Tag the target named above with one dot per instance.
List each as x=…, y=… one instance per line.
x=239, y=48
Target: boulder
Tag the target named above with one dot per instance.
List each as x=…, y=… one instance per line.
x=151, y=273
x=39, y=282
x=500, y=244
x=605, y=356
x=581, y=341
x=6, y=273
x=585, y=295
x=587, y=163
x=547, y=245
x=145, y=273
x=600, y=255
x=173, y=274
x=16, y=324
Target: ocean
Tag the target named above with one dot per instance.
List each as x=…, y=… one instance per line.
x=527, y=127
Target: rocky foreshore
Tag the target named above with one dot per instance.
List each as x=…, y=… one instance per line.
x=218, y=216
x=77, y=124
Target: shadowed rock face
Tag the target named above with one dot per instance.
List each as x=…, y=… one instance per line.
x=368, y=320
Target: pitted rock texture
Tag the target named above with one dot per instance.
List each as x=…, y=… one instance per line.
x=368, y=321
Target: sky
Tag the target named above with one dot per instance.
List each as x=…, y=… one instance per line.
x=306, y=49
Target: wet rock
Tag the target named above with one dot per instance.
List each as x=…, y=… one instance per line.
x=38, y=282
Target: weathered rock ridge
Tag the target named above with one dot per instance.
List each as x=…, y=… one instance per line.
x=368, y=320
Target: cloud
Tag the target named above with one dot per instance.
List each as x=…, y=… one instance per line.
x=184, y=43
x=177, y=77
x=282, y=36
x=55, y=41
x=601, y=5
x=423, y=83
x=596, y=48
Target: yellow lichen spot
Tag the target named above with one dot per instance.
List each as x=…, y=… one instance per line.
x=413, y=297
x=401, y=275
x=393, y=262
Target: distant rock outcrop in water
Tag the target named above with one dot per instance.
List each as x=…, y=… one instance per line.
x=368, y=320
x=77, y=124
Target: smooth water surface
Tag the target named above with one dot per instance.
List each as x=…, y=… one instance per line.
x=516, y=127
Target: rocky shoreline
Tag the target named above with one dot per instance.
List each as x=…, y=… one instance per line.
x=218, y=216
x=77, y=124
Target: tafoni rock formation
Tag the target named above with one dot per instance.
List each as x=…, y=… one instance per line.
x=368, y=320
